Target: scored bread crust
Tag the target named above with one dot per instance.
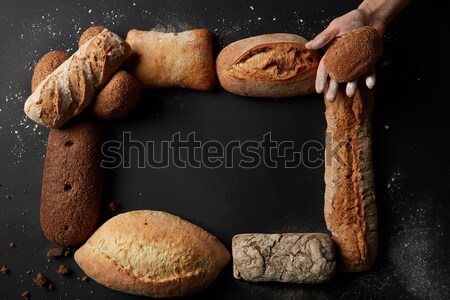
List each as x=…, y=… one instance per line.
x=350, y=208
x=152, y=253
x=71, y=87
x=271, y=85
x=181, y=59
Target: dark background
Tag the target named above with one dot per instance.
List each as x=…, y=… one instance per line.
x=411, y=132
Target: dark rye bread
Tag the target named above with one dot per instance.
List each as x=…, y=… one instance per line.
x=354, y=54
x=118, y=97
x=350, y=208
x=46, y=65
x=72, y=183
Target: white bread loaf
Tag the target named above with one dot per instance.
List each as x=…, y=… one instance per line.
x=72, y=86
x=152, y=253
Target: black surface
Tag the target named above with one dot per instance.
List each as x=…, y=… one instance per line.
x=411, y=156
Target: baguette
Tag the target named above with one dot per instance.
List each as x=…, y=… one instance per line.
x=270, y=65
x=72, y=86
x=72, y=183
x=152, y=253
x=285, y=257
x=350, y=208
x=163, y=60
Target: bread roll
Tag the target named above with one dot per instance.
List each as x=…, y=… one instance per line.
x=162, y=60
x=270, y=65
x=46, y=65
x=285, y=257
x=350, y=208
x=152, y=253
x=353, y=54
x=72, y=86
x=89, y=34
x=72, y=183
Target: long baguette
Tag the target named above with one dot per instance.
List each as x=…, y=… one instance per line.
x=350, y=208
x=72, y=86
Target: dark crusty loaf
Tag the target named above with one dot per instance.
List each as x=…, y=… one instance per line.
x=350, y=208
x=46, y=65
x=353, y=54
x=270, y=65
x=284, y=257
x=72, y=183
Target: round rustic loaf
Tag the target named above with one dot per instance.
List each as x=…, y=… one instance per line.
x=46, y=65
x=90, y=33
x=353, y=55
x=118, y=97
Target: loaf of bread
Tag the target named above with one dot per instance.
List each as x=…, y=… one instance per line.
x=353, y=54
x=162, y=60
x=117, y=98
x=89, y=34
x=72, y=86
x=270, y=65
x=46, y=65
x=285, y=257
x=72, y=183
x=350, y=208
x=152, y=253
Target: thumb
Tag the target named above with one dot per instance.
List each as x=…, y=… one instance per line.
x=322, y=38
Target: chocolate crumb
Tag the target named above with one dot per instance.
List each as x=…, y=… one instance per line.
x=63, y=270
x=113, y=205
x=25, y=295
x=4, y=270
x=40, y=280
x=12, y=245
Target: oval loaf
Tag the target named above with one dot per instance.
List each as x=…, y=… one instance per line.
x=270, y=65
x=152, y=253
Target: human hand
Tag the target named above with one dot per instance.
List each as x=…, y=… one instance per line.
x=339, y=27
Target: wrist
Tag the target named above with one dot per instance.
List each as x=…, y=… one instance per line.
x=374, y=16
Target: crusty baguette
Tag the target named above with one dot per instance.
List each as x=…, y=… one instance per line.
x=350, y=208
x=72, y=183
x=162, y=60
x=284, y=257
x=353, y=54
x=72, y=86
x=152, y=253
x=270, y=65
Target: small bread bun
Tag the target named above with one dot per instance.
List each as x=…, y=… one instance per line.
x=354, y=54
x=46, y=65
x=90, y=33
x=118, y=97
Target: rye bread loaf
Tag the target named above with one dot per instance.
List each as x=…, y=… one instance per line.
x=353, y=54
x=350, y=208
x=72, y=183
x=270, y=65
x=285, y=257
x=152, y=253
x=46, y=65
x=181, y=59
x=72, y=86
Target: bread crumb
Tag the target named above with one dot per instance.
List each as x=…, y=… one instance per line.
x=40, y=280
x=386, y=126
x=63, y=270
x=25, y=295
x=113, y=205
x=12, y=245
x=55, y=252
x=85, y=279
x=4, y=270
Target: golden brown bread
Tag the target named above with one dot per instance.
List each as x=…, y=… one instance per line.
x=353, y=55
x=161, y=60
x=270, y=65
x=350, y=208
x=72, y=183
x=89, y=34
x=118, y=97
x=46, y=65
x=71, y=87
x=152, y=253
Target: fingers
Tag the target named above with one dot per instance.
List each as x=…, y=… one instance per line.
x=351, y=88
x=370, y=81
x=322, y=38
x=332, y=90
x=321, y=77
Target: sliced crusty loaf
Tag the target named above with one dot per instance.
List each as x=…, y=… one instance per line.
x=350, y=208
x=270, y=65
x=152, y=253
x=71, y=87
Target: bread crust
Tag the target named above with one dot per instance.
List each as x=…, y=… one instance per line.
x=350, y=208
x=163, y=60
x=271, y=65
x=152, y=253
x=72, y=183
